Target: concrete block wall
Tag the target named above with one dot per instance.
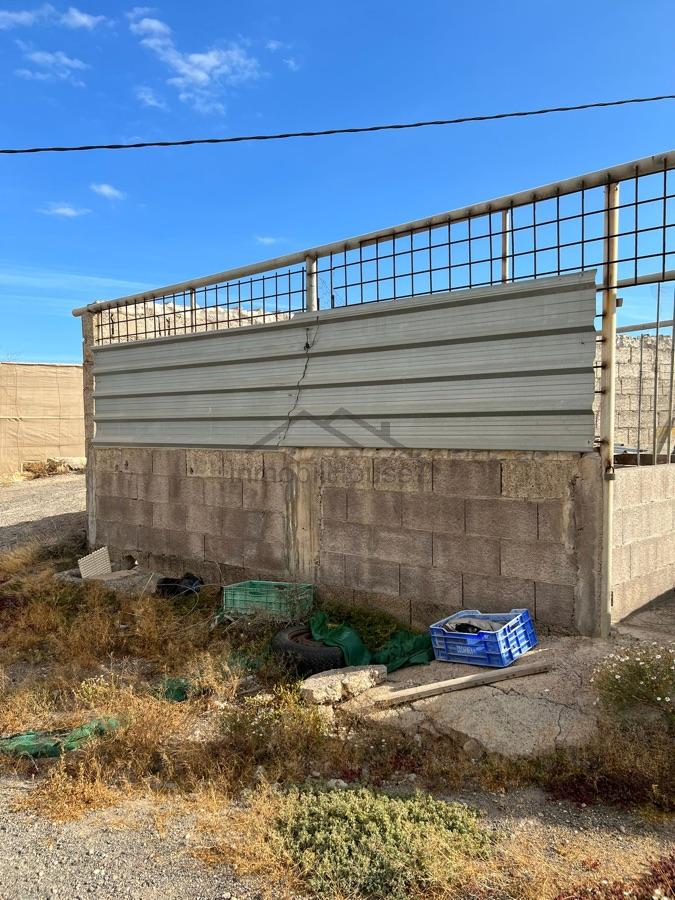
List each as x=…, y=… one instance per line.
x=418, y=533
x=628, y=400
x=644, y=536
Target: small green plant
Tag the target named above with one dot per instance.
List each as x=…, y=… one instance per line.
x=362, y=844
x=374, y=627
x=275, y=731
x=641, y=677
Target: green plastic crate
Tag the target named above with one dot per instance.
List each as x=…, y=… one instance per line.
x=276, y=599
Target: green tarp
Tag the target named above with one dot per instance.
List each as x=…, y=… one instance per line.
x=403, y=648
x=54, y=743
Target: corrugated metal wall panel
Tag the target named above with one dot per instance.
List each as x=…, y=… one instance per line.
x=497, y=368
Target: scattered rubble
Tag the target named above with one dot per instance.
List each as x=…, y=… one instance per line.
x=336, y=685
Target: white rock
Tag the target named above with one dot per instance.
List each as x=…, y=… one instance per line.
x=336, y=685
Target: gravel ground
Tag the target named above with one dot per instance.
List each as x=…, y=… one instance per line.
x=137, y=851
x=44, y=509
x=110, y=856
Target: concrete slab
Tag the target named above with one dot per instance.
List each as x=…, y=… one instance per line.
x=521, y=717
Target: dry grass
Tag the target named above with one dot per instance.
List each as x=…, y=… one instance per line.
x=70, y=653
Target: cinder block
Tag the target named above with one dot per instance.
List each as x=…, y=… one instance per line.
x=205, y=519
x=334, y=504
x=422, y=584
x=371, y=575
x=628, y=487
x=171, y=516
x=186, y=544
x=171, y=543
x=502, y=518
x=621, y=564
x=154, y=488
x=644, y=557
x=411, y=548
x=551, y=521
x=467, y=477
x=433, y=512
x=538, y=479
x=243, y=524
x=205, y=463
x=276, y=465
x=347, y=471
x=189, y=491
x=169, y=461
x=538, y=562
x=136, y=460
x=402, y=473
x=266, y=557
x=273, y=527
x=346, y=537
x=121, y=509
x=117, y=534
x=461, y=553
x=219, y=492
x=224, y=549
x=554, y=604
x=116, y=484
x=666, y=550
x=497, y=593
x=269, y=495
x=647, y=520
x=331, y=568
x=107, y=459
x=246, y=465
x=374, y=508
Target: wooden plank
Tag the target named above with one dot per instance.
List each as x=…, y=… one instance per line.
x=410, y=695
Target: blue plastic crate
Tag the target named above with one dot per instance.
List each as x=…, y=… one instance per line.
x=487, y=648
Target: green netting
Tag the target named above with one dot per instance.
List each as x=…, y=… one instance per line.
x=403, y=648
x=54, y=743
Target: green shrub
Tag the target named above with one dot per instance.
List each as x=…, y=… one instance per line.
x=361, y=844
x=641, y=677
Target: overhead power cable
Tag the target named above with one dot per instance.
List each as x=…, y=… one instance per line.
x=399, y=126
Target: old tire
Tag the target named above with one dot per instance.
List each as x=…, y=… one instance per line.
x=304, y=653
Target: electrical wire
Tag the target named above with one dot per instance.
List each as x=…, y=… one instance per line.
x=238, y=139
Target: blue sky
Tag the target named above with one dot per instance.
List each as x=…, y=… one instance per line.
x=76, y=228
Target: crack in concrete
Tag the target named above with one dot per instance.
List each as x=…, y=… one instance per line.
x=298, y=387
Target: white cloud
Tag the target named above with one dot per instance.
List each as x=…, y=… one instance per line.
x=147, y=97
x=46, y=14
x=267, y=240
x=63, y=210
x=107, y=191
x=198, y=77
x=51, y=66
x=138, y=12
x=273, y=46
x=292, y=64
x=75, y=18
x=24, y=17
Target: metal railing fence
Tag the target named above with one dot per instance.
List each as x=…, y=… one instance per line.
x=552, y=230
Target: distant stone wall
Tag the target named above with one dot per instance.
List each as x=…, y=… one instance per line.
x=421, y=534
x=644, y=536
x=41, y=414
x=628, y=402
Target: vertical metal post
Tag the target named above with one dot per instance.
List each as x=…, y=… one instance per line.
x=672, y=383
x=639, y=428
x=89, y=426
x=193, y=309
x=610, y=274
x=311, y=295
x=506, y=242
x=655, y=411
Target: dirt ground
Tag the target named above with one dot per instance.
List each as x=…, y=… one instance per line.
x=42, y=509
x=135, y=851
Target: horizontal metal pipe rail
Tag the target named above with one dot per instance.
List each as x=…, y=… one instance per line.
x=308, y=257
